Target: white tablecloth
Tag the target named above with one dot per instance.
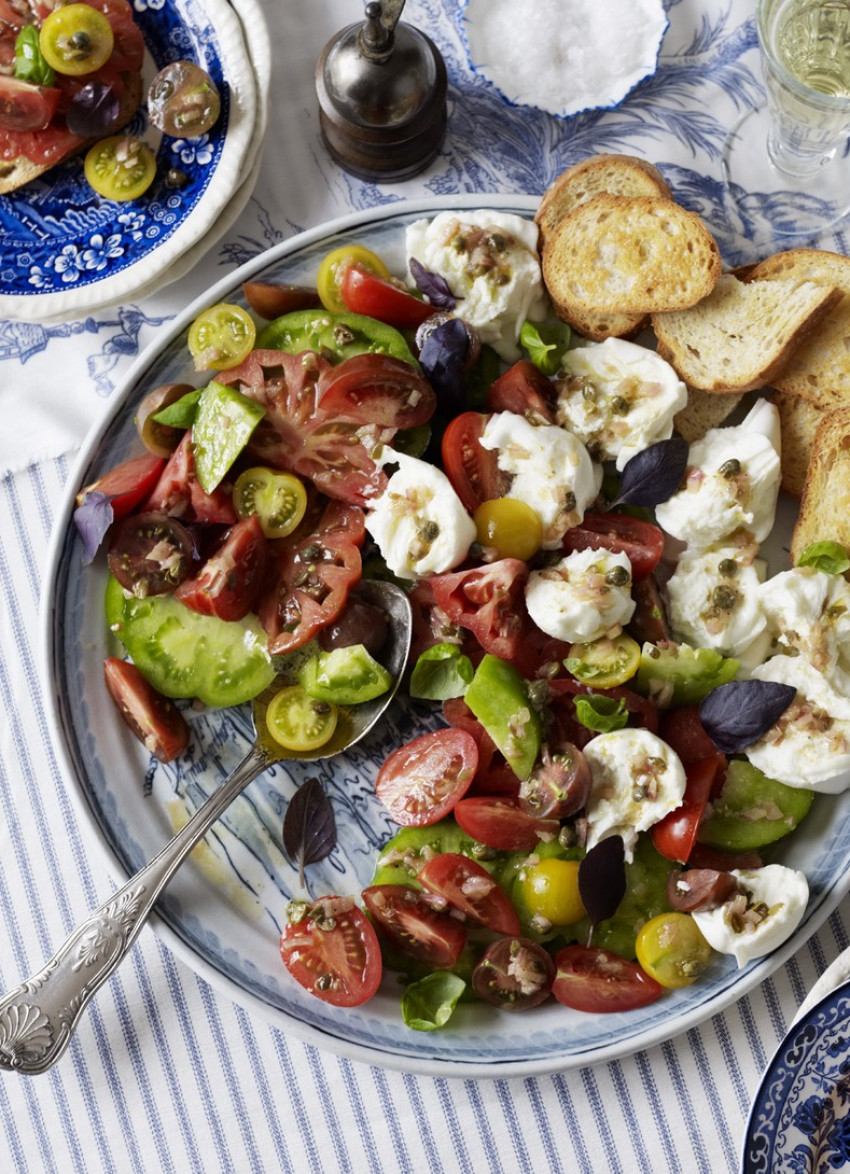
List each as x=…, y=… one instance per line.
x=164, y=1074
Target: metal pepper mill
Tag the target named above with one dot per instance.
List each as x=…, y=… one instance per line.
x=382, y=96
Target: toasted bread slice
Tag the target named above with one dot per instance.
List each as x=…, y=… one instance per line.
x=825, y=505
x=14, y=173
x=702, y=412
x=799, y=421
x=619, y=175
x=628, y=254
x=742, y=336
x=819, y=371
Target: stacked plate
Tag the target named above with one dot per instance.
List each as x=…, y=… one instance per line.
x=65, y=251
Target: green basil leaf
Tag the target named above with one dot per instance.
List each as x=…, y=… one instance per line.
x=30, y=65
x=180, y=414
x=597, y=712
x=441, y=672
x=545, y=343
x=428, y=1004
x=826, y=556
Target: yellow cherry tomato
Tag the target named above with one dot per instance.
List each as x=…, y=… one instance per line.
x=331, y=268
x=299, y=722
x=606, y=662
x=279, y=499
x=511, y=527
x=550, y=891
x=672, y=950
x=221, y=337
x=76, y=39
x=120, y=167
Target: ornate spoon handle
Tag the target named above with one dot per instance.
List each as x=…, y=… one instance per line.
x=38, y=1018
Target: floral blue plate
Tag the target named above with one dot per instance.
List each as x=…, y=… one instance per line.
x=65, y=251
x=800, y=1119
x=223, y=912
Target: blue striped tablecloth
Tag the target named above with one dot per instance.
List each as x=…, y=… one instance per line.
x=164, y=1074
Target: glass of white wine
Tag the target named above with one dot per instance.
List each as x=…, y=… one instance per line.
x=788, y=158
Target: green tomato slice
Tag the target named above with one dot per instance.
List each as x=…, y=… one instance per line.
x=752, y=810
x=498, y=696
x=224, y=421
x=402, y=857
x=184, y=654
x=344, y=676
x=680, y=675
x=338, y=336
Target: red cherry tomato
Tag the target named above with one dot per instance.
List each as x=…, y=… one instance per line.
x=409, y=922
x=156, y=722
x=502, y=824
x=333, y=953
x=366, y=293
x=127, y=485
x=591, y=979
x=674, y=836
x=524, y=389
x=229, y=582
x=471, y=890
x=622, y=534
x=472, y=470
x=178, y=491
x=24, y=106
x=422, y=780
x=488, y=601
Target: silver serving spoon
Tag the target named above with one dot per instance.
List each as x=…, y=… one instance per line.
x=38, y=1018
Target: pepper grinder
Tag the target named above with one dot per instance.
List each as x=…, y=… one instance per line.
x=382, y=96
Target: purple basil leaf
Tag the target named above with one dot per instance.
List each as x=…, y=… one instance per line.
x=602, y=880
x=654, y=474
x=442, y=358
x=92, y=519
x=93, y=110
x=737, y=714
x=309, y=828
x=435, y=288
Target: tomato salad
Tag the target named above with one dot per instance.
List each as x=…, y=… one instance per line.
x=593, y=822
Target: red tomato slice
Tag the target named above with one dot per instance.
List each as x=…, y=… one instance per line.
x=525, y=390
x=471, y=890
x=376, y=389
x=674, y=836
x=472, y=470
x=178, y=491
x=230, y=580
x=591, y=979
x=156, y=722
x=621, y=533
x=333, y=952
x=489, y=602
x=407, y=919
x=682, y=729
x=421, y=781
x=24, y=106
x=127, y=485
x=364, y=293
x=502, y=824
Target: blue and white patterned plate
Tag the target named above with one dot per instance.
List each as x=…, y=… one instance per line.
x=65, y=251
x=800, y=1119
x=223, y=912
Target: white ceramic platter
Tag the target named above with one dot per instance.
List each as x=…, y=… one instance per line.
x=223, y=912
x=65, y=251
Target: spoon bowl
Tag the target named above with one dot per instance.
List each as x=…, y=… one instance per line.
x=38, y=1018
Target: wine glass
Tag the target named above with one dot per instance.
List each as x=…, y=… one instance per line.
x=788, y=158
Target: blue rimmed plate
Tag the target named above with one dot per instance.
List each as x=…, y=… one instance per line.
x=65, y=251
x=223, y=912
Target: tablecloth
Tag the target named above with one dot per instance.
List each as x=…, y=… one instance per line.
x=164, y=1073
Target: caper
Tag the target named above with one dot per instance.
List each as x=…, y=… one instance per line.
x=617, y=577
x=620, y=406
x=730, y=468
x=728, y=567
x=175, y=178
x=724, y=597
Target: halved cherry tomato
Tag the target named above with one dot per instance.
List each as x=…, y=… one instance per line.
x=221, y=336
x=24, y=106
x=230, y=580
x=272, y=301
x=671, y=949
x=363, y=292
x=407, y=919
x=510, y=527
x=76, y=39
x=178, y=491
x=299, y=722
x=488, y=601
x=514, y=973
x=333, y=952
x=471, y=890
x=277, y=499
x=525, y=390
x=502, y=824
x=422, y=780
x=472, y=470
x=120, y=167
x=642, y=541
x=150, y=554
x=674, y=836
x=591, y=979
x=333, y=267
x=127, y=485
x=156, y=722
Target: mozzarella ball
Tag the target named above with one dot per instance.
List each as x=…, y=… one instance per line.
x=582, y=597
x=764, y=913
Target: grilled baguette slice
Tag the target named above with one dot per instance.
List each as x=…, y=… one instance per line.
x=618, y=175
x=799, y=421
x=702, y=412
x=628, y=254
x=825, y=505
x=819, y=370
x=742, y=336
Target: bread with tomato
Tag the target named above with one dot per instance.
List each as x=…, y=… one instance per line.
x=34, y=131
